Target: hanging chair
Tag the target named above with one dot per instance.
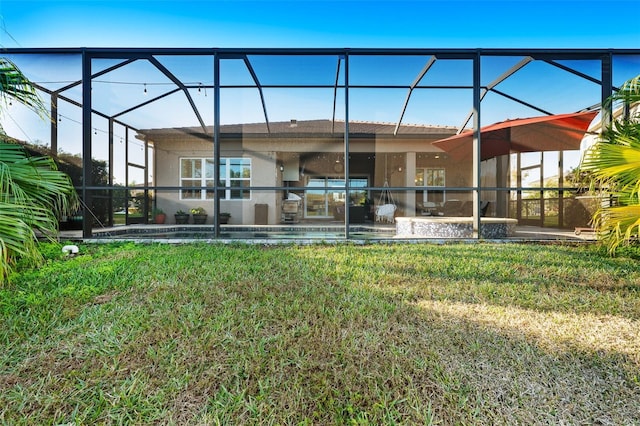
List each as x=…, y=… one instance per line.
x=386, y=208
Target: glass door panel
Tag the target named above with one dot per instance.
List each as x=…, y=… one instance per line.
x=316, y=199
x=336, y=198
x=330, y=201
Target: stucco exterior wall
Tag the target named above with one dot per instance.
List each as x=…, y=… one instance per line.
x=167, y=173
x=393, y=160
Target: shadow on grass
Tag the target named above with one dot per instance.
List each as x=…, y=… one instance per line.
x=550, y=278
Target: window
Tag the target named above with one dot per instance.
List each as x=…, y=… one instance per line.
x=235, y=177
x=431, y=177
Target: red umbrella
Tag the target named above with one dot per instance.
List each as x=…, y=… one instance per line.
x=547, y=133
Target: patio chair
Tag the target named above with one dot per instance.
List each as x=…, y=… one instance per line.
x=452, y=208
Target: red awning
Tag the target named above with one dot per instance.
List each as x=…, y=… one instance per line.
x=547, y=133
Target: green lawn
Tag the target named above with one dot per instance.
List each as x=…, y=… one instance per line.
x=323, y=334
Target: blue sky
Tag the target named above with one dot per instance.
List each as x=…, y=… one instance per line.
x=311, y=23
x=320, y=23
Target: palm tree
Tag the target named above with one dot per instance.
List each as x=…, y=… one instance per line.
x=613, y=163
x=33, y=193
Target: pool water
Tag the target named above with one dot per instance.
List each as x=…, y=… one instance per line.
x=276, y=234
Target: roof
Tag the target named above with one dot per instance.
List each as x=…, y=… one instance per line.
x=309, y=128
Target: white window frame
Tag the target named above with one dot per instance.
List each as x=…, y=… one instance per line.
x=205, y=180
x=427, y=180
x=226, y=181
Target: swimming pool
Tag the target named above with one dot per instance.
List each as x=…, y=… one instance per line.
x=246, y=233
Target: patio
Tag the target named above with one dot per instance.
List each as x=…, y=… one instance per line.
x=304, y=233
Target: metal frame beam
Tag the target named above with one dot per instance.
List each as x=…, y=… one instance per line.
x=520, y=101
x=150, y=101
x=98, y=74
x=346, y=148
x=479, y=92
x=254, y=76
x=578, y=73
x=216, y=144
x=606, y=88
x=413, y=85
x=178, y=83
x=335, y=94
x=78, y=104
x=477, y=147
x=87, y=167
x=493, y=84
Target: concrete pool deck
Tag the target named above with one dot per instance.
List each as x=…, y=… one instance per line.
x=307, y=233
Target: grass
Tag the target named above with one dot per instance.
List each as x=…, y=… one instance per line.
x=323, y=334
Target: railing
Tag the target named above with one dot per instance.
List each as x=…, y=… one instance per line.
x=576, y=211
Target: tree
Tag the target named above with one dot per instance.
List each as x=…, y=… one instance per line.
x=613, y=163
x=33, y=192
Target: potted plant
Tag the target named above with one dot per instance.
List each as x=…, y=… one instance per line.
x=223, y=217
x=182, y=217
x=199, y=215
x=159, y=216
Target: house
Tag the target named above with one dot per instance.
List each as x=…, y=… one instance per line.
x=306, y=158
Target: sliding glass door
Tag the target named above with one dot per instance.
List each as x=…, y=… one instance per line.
x=325, y=196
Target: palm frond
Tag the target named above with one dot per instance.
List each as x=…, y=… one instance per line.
x=17, y=238
x=14, y=84
x=33, y=194
x=618, y=226
x=629, y=92
x=34, y=179
x=616, y=164
x=613, y=163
